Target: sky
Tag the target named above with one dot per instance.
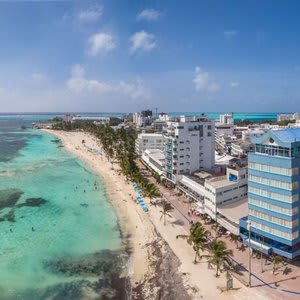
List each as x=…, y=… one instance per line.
x=128, y=55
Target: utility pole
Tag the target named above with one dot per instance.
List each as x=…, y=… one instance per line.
x=249, y=230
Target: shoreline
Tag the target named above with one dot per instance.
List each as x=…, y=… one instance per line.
x=160, y=266
x=144, y=245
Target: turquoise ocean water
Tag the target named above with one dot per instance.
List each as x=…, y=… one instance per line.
x=213, y=115
x=59, y=235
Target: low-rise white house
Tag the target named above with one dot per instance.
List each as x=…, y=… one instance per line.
x=214, y=192
x=147, y=141
x=155, y=159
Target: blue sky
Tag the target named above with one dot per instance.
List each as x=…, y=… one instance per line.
x=126, y=55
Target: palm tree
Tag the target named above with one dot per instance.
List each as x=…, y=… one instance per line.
x=150, y=190
x=166, y=209
x=198, y=238
x=216, y=226
x=234, y=238
x=276, y=261
x=219, y=255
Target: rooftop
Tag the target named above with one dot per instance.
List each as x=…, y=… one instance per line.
x=288, y=135
x=219, y=182
x=235, y=210
x=143, y=134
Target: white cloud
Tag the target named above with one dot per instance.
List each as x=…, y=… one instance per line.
x=203, y=82
x=142, y=41
x=234, y=84
x=230, y=33
x=79, y=84
x=149, y=14
x=77, y=71
x=38, y=77
x=101, y=43
x=91, y=14
x=134, y=90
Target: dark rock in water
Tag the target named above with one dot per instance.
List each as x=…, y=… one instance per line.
x=9, y=197
x=102, y=289
x=55, y=141
x=105, y=264
x=10, y=216
x=32, y=202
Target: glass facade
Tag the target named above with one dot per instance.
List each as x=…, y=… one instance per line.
x=273, y=193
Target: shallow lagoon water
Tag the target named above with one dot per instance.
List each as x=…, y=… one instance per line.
x=68, y=244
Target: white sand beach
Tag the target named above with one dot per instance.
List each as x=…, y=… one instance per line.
x=147, y=235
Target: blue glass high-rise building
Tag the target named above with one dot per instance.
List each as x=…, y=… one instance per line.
x=273, y=194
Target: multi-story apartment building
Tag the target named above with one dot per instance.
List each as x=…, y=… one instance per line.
x=288, y=117
x=189, y=146
x=241, y=148
x=213, y=193
x=143, y=118
x=273, y=191
x=226, y=119
x=146, y=141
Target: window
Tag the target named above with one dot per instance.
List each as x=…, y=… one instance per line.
x=201, y=130
x=272, y=207
x=273, y=169
x=272, y=195
x=274, y=231
x=273, y=219
x=274, y=183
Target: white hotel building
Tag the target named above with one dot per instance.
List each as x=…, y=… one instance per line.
x=189, y=146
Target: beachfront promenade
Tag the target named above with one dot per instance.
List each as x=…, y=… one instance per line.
x=284, y=284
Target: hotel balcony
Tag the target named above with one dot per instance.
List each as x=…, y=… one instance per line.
x=168, y=142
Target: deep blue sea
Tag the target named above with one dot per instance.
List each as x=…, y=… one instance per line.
x=59, y=234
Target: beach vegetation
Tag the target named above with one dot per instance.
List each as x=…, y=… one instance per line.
x=277, y=260
x=166, y=209
x=234, y=238
x=219, y=255
x=198, y=239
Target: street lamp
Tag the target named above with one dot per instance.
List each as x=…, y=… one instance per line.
x=249, y=230
x=261, y=255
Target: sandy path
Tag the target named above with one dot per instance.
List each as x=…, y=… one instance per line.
x=153, y=264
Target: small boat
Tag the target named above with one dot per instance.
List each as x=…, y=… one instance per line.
x=84, y=204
